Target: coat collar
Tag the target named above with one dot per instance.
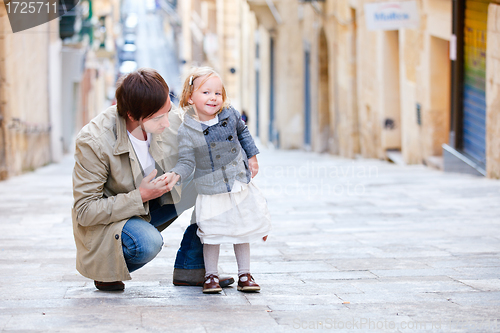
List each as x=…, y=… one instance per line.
x=122, y=141
x=196, y=125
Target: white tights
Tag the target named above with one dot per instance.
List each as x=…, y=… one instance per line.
x=211, y=257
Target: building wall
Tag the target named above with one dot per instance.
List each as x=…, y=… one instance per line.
x=24, y=77
x=375, y=81
x=493, y=93
x=425, y=82
x=54, y=87
x=49, y=89
x=211, y=37
x=289, y=71
x=348, y=124
x=371, y=91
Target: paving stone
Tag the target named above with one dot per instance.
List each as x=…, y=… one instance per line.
x=483, y=285
x=416, y=246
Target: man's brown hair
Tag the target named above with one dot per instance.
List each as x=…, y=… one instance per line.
x=141, y=93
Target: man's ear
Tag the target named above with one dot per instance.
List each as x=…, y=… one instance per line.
x=130, y=117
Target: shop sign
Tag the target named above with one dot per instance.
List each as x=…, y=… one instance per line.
x=392, y=15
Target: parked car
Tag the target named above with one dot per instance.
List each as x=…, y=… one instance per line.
x=129, y=39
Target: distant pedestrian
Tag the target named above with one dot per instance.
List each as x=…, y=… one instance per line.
x=174, y=98
x=229, y=207
x=244, y=116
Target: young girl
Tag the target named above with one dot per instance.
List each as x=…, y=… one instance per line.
x=215, y=142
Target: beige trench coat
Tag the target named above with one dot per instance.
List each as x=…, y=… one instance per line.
x=106, y=181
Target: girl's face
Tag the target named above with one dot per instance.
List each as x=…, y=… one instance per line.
x=207, y=97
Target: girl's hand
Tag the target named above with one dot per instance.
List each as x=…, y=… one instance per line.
x=152, y=189
x=169, y=179
x=253, y=165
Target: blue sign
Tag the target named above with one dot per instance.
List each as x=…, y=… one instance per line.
x=392, y=15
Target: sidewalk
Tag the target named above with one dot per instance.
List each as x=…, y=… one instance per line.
x=356, y=246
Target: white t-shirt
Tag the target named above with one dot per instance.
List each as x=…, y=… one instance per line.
x=142, y=151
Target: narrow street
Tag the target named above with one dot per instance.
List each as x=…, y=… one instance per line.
x=154, y=48
x=357, y=245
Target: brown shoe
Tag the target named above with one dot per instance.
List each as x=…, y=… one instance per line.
x=246, y=283
x=196, y=277
x=109, y=286
x=211, y=285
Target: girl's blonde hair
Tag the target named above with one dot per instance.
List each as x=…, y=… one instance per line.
x=188, y=87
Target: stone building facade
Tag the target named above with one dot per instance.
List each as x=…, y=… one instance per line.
x=312, y=75
x=25, y=106
x=51, y=86
x=493, y=93
x=342, y=88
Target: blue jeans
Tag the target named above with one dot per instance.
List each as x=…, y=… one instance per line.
x=141, y=240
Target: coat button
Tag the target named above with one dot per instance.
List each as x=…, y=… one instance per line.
x=234, y=163
x=224, y=123
x=217, y=157
x=230, y=138
x=242, y=174
x=223, y=167
x=205, y=132
x=225, y=180
x=233, y=150
x=212, y=145
x=117, y=236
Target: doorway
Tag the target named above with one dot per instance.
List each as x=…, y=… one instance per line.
x=391, y=127
x=440, y=94
x=324, y=96
x=307, y=100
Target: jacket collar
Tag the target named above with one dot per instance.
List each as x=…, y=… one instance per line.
x=194, y=124
x=122, y=145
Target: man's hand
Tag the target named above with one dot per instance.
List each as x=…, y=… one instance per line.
x=253, y=165
x=153, y=189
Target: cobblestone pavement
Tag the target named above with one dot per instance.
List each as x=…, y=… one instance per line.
x=357, y=246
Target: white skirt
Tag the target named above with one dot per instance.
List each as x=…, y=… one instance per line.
x=235, y=218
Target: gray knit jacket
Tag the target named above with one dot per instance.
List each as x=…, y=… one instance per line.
x=219, y=152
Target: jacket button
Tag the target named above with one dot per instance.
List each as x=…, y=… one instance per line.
x=117, y=237
x=242, y=174
x=212, y=145
x=233, y=150
x=205, y=132
x=224, y=124
x=217, y=157
x=223, y=167
x=225, y=180
x=234, y=163
x=230, y=138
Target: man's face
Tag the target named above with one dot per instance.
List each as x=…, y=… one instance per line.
x=157, y=122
